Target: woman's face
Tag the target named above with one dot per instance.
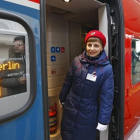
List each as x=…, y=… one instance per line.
x=93, y=48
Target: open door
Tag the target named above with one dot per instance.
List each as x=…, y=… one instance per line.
x=115, y=27
x=67, y=25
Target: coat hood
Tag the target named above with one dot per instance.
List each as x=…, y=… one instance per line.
x=103, y=60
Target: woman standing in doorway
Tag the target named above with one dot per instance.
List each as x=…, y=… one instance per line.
x=90, y=76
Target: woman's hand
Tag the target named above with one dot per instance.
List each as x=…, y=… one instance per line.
x=101, y=127
x=61, y=104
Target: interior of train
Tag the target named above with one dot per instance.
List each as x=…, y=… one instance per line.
x=67, y=25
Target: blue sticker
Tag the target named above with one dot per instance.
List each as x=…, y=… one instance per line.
x=53, y=58
x=58, y=49
x=52, y=49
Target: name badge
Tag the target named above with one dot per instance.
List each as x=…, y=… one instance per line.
x=91, y=77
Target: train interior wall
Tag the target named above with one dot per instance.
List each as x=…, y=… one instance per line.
x=69, y=36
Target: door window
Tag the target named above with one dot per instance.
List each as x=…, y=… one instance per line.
x=17, y=88
x=135, y=63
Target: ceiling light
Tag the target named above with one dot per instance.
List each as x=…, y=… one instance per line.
x=66, y=0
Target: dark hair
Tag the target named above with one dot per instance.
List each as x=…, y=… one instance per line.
x=20, y=38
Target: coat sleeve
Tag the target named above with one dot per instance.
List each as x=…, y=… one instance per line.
x=106, y=99
x=68, y=83
x=8, y=82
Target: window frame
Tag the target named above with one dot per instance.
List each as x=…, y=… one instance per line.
x=32, y=62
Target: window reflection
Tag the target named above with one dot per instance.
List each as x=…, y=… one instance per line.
x=12, y=65
x=135, y=61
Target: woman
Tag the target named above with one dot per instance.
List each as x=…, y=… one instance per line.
x=89, y=77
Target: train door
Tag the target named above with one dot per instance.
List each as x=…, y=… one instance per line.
x=21, y=88
x=67, y=25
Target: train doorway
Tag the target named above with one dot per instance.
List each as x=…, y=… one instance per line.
x=67, y=25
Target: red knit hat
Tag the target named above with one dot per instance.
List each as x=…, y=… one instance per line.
x=96, y=33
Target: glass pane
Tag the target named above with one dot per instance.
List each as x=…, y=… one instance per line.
x=11, y=25
x=12, y=65
x=135, y=61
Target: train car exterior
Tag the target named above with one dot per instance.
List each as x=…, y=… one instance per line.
x=24, y=113
x=132, y=71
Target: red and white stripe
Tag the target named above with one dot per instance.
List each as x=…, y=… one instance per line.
x=35, y=4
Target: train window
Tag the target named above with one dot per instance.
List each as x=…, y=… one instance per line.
x=135, y=63
x=16, y=92
x=13, y=79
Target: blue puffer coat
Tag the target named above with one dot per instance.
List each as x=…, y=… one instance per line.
x=81, y=96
